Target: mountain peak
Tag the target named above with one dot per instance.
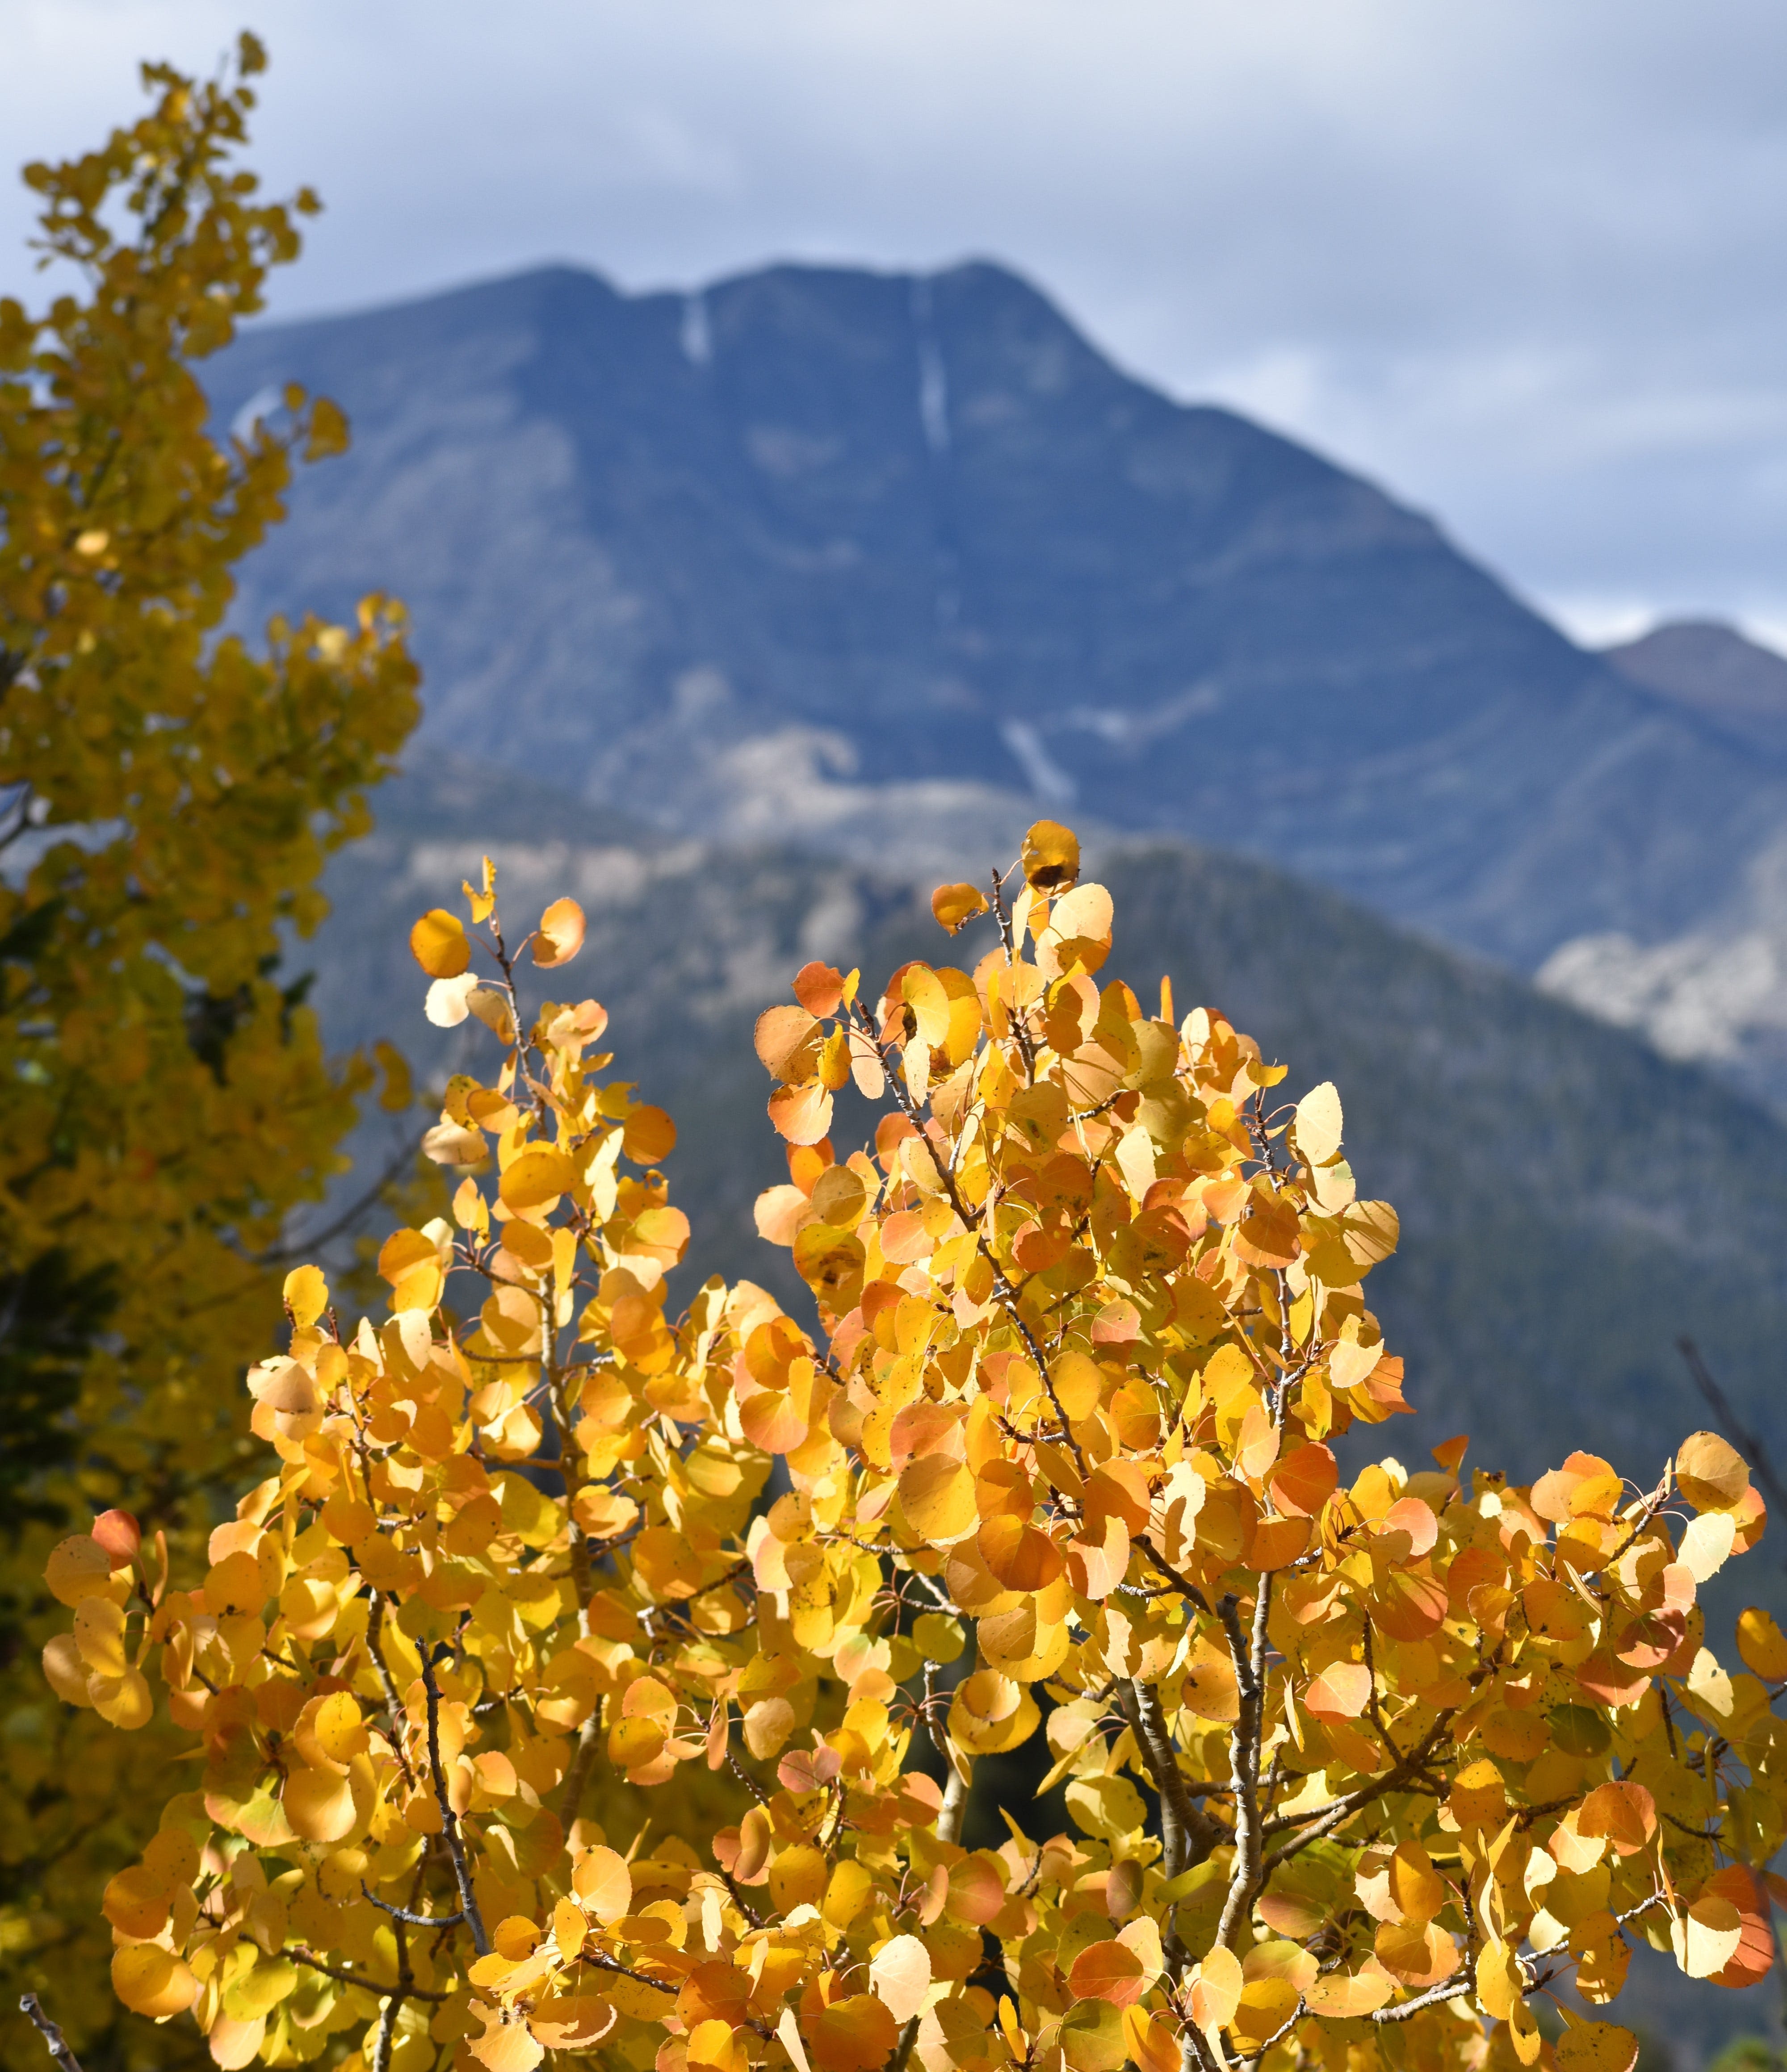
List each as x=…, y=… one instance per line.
x=1717, y=673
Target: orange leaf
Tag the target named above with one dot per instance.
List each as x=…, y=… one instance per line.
x=781, y=1034
x=1302, y=1481
x=802, y=1114
x=1342, y=1692
x=955, y=906
x=1107, y=1971
x=1623, y=1812
x=819, y=988
x=560, y=935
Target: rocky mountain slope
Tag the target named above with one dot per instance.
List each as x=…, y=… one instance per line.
x=875, y=563
x=1715, y=990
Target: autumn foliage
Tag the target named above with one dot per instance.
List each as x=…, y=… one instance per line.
x=1358, y=1771
x=170, y=790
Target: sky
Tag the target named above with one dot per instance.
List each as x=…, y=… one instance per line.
x=1524, y=262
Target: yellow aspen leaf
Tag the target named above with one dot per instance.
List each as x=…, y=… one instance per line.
x=1762, y=1644
x=1077, y=1382
x=507, y=2044
x=137, y=1902
x=854, y=2034
x=1499, y=1986
x=1705, y=1937
x=319, y=1804
x=329, y=1732
x=1597, y=2046
x=1318, y=1124
x=306, y=1295
x=1706, y=1544
x=439, y=944
x=648, y=1134
x=955, y=906
x=1265, y=2005
x=99, y=1635
x=1150, y=2045
x=937, y=1495
x=900, y=1974
x=1341, y=1692
x=560, y=935
x=152, y=1981
x=1417, y=1953
x=923, y=992
x=1712, y=1474
x=788, y=2034
x=1524, y=2034
x=786, y=1042
x=533, y=1181
x=124, y=1700
x=78, y=1567
x=1050, y=856
x=1216, y=1985
x=569, y=1928
x=1211, y=1689
x=602, y=1881
x=850, y=1890
x=65, y=1671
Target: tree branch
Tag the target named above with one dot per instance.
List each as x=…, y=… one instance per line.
x=65, y=2059
x=450, y=1820
x=311, y=1962
x=1249, y=1657
x=1447, y=1989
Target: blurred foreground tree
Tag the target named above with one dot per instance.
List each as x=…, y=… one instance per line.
x=1358, y=1771
x=167, y=799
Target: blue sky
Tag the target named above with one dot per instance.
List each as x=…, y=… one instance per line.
x=1522, y=261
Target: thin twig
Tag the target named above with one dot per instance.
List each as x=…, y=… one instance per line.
x=311, y=1962
x=32, y=2010
x=403, y=1915
x=450, y=1820
x=1448, y=1989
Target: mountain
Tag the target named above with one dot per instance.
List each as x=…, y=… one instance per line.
x=877, y=563
x=1712, y=669
x=1714, y=991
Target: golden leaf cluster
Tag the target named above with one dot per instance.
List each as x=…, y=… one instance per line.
x=1356, y=1771
x=167, y=799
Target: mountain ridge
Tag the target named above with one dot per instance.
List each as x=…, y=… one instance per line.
x=809, y=529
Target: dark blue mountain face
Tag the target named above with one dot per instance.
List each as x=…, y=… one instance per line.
x=899, y=528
